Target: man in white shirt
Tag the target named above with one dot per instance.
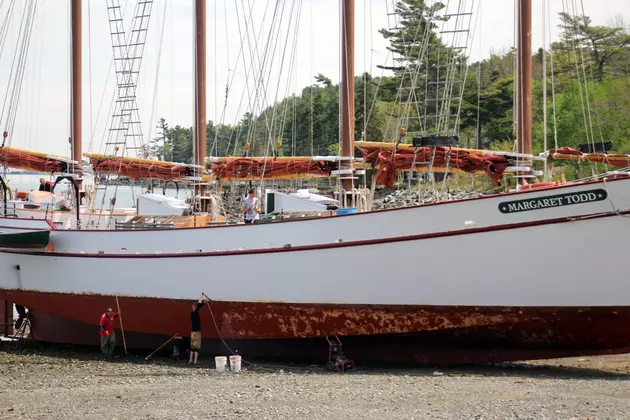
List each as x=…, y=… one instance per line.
x=249, y=207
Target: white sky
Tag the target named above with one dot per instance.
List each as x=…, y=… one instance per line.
x=43, y=116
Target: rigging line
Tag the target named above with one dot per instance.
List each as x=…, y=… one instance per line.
x=364, y=132
x=128, y=69
x=216, y=86
x=311, y=137
x=464, y=66
x=14, y=69
x=583, y=66
x=544, y=69
x=391, y=117
x=599, y=122
x=171, y=55
x=38, y=65
x=258, y=82
x=24, y=58
x=292, y=74
x=289, y=77
x=157, y=70
x=24, y=47
x=236, y=128
x=89, y=25
x=5, y=26
x=339, y=77
x=479, y=64
x=289, y=74
x=404, y=109
x=516, y=95
x=380, y=81
x=275, y=46
x=100, y=105
x=571, y=44
x=39, y=83
x=371, y=37
x=553, y=88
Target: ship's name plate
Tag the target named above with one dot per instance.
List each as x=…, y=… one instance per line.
x=553, y=201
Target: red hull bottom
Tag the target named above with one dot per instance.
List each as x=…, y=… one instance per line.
x=433, y=348
x=370, y=334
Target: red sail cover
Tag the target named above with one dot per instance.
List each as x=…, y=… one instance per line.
x=140, y=168
x=32, y=161
x=403, y=158
x=270, y=168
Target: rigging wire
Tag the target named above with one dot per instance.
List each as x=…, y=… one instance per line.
x=18, y=68
x=311, y=136
x=479, y=65
x=89, y=25
x=571, y=45
x=544, y=69
x=583, y=67
x=597, y=113
x=157, y=69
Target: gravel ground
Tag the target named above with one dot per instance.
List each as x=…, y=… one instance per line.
x=77, y=384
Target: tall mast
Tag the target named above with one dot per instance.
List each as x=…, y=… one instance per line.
x=76, y=83
x=347, y=91
x=200, y=82
x=524, y=77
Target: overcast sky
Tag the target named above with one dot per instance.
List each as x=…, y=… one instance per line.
x=43, y=114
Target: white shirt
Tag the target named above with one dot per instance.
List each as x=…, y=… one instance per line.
x=250, y=204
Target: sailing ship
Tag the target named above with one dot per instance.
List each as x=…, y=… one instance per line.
x=388, y=158
x=389, y=293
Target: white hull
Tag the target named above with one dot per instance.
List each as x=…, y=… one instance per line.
x=68, y=219
x=562, y=263
x=449, y=216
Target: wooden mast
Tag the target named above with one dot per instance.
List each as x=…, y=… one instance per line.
x=524, y=77
x=200, y=82
x=347, y=92
x=77, y=153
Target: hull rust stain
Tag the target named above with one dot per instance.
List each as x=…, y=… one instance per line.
x=594, y=326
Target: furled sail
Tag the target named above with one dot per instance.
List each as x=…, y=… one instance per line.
x=568, y=153
x=13, y=158
x=141, y=168
x=256, y=168
x=391, y=158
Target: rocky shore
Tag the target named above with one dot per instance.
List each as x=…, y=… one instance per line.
x=69, y=384
x=387, y=198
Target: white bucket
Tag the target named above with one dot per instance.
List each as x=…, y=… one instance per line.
x=220, y=363
x=235, y=363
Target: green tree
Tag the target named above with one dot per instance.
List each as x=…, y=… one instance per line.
x=160, y=147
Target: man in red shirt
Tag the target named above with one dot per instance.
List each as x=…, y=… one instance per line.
x=108, y=335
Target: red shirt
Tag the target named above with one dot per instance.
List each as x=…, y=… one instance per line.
x=107, y=323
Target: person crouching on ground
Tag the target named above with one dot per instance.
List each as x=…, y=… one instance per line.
x=108, y=335
x=195, y=334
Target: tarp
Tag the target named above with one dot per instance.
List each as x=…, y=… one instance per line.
x=34, y=161
x=252, y=168
x=390, y=159
x=140, y=168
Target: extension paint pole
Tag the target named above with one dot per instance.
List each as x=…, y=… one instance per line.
x=158, y=349
x=122, y=329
